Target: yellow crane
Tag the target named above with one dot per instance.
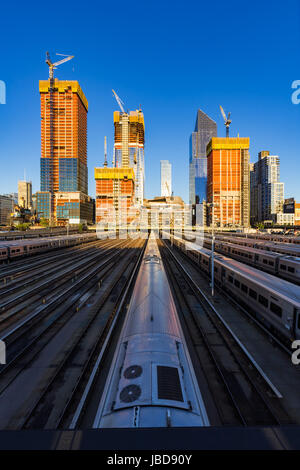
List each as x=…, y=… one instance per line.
x=53, y=66
x=227, y=120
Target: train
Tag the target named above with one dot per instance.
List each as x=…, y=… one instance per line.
x=283, y=248
x=266, y=236
x=151, y=382
x=287, y=267
x=274, y=302
x=15, y=249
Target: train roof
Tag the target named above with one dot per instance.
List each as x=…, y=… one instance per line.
x=277, y=285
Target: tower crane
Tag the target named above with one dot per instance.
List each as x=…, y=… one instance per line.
x=119, y=101
x=227, y=120
x=105, y=152
x=53, y=66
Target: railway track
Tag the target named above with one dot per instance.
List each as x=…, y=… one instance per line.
x=241, y=392
x=88, y=313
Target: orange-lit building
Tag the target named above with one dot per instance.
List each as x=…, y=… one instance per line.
x=114, y=193
x=129, y=144
x=228, y=181
x=64, y=110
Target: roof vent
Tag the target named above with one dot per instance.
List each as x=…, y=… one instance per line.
x=132, y=372
x=130, y=393
x=168, y=384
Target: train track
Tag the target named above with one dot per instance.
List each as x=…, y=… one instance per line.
x=15, y=306
x=242, y=393
x=96, y=313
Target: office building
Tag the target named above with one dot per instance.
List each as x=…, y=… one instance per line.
x=228, y=186
x=6, y=208
x=267, y=192
x=205, y=129
x=165, y=178
x=25, y=194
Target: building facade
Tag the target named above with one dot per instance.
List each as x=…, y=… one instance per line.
x=228, y=185
x=114, y=194
x=205, y=129
x=6, y=208
x=64, y=110
x=25, y=194
x=165, y=178
x=129, y=143
x=267, y=192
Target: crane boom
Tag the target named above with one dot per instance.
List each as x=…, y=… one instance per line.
x=227, y=120
x=223, y=113
x=119, y=101
x=52, y=66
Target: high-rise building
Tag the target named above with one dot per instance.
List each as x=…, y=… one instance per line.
x=6, y=208
x=205, y=129
x=267, y=192
x=64, y=110
x=129, y=148
x=25, y=194
x=165, y=178
x=228, y=187
x=114, y=193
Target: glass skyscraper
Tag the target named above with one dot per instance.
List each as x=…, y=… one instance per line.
x=205, y=129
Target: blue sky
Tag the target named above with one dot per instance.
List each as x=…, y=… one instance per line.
x=170, y=57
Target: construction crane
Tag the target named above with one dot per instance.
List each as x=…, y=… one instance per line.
x=168, y=189
x=119, y=101
x=105, y=152
x=227, y=120
x=53, y=66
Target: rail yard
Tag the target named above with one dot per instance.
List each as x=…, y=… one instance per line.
x=125, y=333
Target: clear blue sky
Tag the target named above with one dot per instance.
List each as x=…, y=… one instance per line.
x=172, y=57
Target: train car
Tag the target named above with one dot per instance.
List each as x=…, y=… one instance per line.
x=276, y=302
x=151, y=382
x=3, y=253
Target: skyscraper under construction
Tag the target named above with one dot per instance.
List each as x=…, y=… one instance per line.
x=64, y=171
x=129, y=144
x=228, y=181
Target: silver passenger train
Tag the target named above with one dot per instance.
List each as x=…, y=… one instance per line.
x=273, y=301
x=287, y=267
x=10, y=250
x=151, y=382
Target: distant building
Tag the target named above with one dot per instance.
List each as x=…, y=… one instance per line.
x=13, y=196
x=205, y=129
x=73, y=208
x=228, y=185
x=165, y=178
x=44, y=205
x=6, y=208
x=290, y=206
x=25, y=194
x=267, y=192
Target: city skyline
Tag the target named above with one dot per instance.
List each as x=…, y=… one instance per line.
x=260, y=104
